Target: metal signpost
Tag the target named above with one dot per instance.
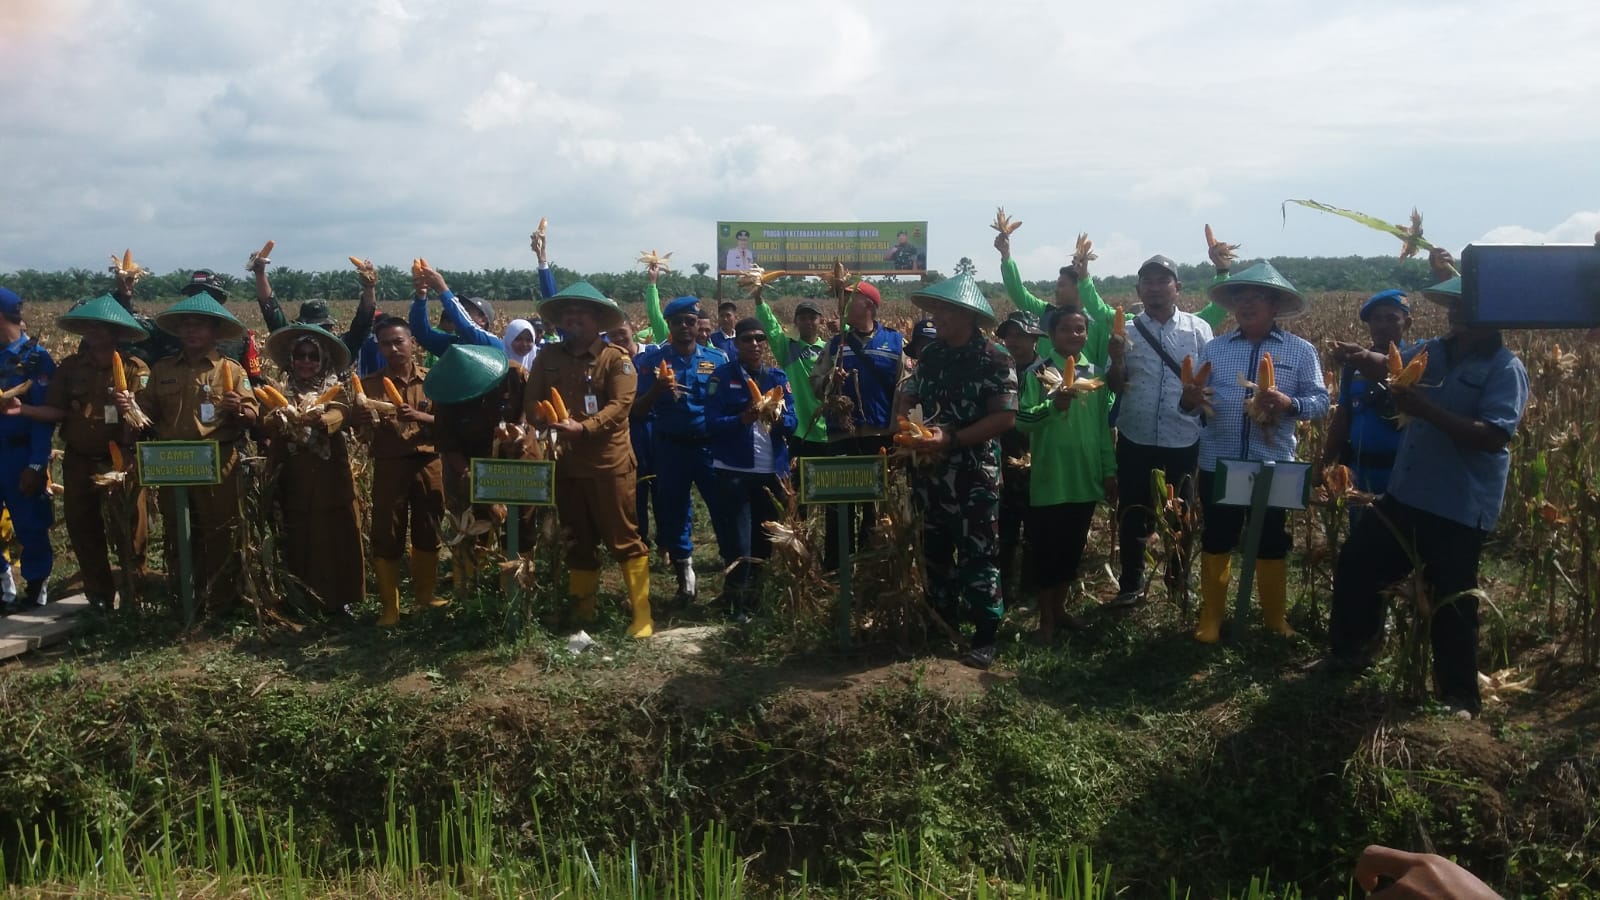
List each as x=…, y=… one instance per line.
x=1260, y=486
x=843, y=480
x=180, y=465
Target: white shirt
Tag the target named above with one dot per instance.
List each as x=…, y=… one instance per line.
x=1149, y=414
x=740, y=260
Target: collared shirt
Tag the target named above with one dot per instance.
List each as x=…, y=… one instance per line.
x=748, y=448
x=597, y=385
x=1073, y=454
x=680, y=413
x=739, y=259
x=392, y=438
x=871, y=392
x=1230, y=434
x=1435, y=474
x=1149, y=414
x=25, y=360
x=177, y=389
x=82, y=390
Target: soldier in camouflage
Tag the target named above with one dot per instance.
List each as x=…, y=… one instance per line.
x=966, y=385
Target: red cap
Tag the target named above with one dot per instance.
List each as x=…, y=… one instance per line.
x=869, y=291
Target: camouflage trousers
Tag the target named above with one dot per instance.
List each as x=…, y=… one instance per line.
x=960, y=507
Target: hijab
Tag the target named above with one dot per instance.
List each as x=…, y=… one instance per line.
x=512, y=332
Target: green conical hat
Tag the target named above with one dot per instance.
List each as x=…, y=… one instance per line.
x=201, y=304
x=606, y=309
x=104, y=310
x=465, y=372
x=280, y=345
x=961, y=291
x=1262, y=274
x=1447, y=292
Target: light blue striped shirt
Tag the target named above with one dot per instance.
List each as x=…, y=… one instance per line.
x=1298, y=373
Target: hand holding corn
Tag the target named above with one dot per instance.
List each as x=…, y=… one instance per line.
x=1222, y=254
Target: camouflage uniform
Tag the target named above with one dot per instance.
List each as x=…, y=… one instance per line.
x=959, y=496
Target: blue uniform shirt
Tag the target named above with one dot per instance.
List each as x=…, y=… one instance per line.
x=731, y=439
x=682, y=413
x=1433, y=473
x=872, y=392
x=24, y=360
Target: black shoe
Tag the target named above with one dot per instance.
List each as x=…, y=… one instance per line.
x=1126, y=599
x=981, y=657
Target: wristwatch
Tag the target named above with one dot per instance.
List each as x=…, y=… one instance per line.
x=37, y=467
x=1294, y=407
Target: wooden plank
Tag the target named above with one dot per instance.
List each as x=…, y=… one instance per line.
x=40, y=626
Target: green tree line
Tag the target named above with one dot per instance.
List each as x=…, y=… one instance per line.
x=1348, y=273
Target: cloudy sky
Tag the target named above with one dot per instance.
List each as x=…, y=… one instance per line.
x=193, y=130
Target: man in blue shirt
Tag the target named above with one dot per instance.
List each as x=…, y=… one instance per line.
x=467, y=327
x=25, y=449
x=1363, y=433
x=680, y=442
x=1444, y=498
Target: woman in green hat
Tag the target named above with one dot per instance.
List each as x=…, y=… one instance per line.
x=81, y=399
x=967, y=388
x=309, y=452
x=200, y=395
x=477, y=400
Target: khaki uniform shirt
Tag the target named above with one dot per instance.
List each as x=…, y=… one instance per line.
x=178, y=387
x=392, y=438
x=599, y=371
x=82, y=390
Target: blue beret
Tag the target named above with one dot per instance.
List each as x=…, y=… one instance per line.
x=681, y=305
x=10, y=303
x=1397, y=298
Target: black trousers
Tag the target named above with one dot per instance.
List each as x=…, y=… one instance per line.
x=1067, y=527
x=1014, y=517
x=1224, y=525
x=1375, y=557
x=1135, y=462
x=860, y=515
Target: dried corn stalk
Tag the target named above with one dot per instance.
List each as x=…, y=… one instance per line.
x=661, y=261
x=1411, y=240
x=1004, y=223
x=1082, y=253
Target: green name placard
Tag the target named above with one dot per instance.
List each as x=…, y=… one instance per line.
x=514, y=482
x=843, y=479
x=179, y=463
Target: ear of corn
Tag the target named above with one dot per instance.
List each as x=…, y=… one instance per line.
x=225, y=377
x=546, y=412
x=116, y=456
x=1004, y=223
x=559, y=405
x=1119, y=323
x=17, y=391
x=1187, y=374
x=119, y=375
x=1203, y=376
x=665, y=372
x=266, y=249
x=1264, y=374
x=357, y=388
x=127, y=260
x=756, y=396
x=1396, y=366
x=329, y=395
x=393, y=393
x=1412, y=373
x=270, y=398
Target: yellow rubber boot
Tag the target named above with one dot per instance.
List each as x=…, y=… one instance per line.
x=388, y=572
x=1215, y=570
x=636, y=575
x=1272, y=587
x=584, y=586
x=425, y=578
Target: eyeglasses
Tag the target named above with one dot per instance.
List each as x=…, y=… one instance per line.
x=685, y=322
x=752, y=339
x=313, y=356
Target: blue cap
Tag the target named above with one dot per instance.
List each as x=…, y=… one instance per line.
x=10, y=303
x=1396, y=298
x=682, y=305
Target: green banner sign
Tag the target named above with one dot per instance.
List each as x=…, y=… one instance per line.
x=514, y=482
x=179, y=463
x=864, y=247
x=843, y=479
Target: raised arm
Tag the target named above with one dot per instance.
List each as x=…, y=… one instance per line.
x=271, y=313
x=776, y=339
x=1021, y=298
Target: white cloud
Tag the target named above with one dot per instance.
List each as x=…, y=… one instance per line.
x=510, y=101
x=1187, y=188
x=1578, y=228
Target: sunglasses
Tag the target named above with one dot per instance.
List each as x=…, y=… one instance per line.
x=752, y=339
x=685, y=322
x=311, y=356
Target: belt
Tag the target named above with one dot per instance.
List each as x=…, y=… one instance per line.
x=1371, y=461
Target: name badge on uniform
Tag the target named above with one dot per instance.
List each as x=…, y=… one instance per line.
x=208, y=413
x=591, y=404
x=111, y=414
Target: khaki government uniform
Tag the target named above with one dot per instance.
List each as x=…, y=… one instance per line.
x=595, y=481
x=172, y=399
x=407, y=478
x=82, y=390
